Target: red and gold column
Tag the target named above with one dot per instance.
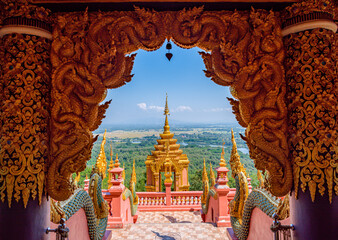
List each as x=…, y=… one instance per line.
x=311, y=73
x=25, y=96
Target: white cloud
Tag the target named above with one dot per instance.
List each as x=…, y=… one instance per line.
x=217, y=110
x=144, y=106
x=183, y=109
x=156, y=108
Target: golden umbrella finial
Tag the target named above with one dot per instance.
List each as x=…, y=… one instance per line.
x=222, y=160
x=117, y=164
x=205, y=174
x=212, y=176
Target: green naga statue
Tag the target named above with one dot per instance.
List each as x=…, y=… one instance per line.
x=95, y=207
x=244, y=202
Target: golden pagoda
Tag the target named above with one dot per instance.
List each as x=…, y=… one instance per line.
x=167, y=151
x=101, y=162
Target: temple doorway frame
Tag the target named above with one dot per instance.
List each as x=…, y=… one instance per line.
x=243, y=50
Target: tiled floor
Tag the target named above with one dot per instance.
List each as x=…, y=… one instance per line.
x=170, y=226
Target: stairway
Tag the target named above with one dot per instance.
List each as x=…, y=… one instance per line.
x=170, y=226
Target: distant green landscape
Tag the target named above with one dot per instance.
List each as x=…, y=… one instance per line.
x=197, y=142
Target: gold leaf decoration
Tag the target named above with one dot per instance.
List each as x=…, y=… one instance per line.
x=90, y=54
x=25, y=80
x=312, y=90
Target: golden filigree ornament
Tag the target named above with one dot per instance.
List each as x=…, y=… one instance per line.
x=314, y=9
x=24, y=116
x=312, y=95
x=101, y=161
x=212, y=176
x=23, y=9
x=205, y=181
x=90, y=53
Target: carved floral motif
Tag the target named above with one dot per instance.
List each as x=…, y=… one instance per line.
x=312, y=95
x=25, y=86
x=90, y=54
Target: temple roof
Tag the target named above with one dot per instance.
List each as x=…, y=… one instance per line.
x=166, y=146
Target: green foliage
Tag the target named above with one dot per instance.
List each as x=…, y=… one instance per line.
x=206, y=144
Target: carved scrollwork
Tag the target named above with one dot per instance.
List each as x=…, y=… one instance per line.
x=90, y=54
x=311, y=70
x=24, y=108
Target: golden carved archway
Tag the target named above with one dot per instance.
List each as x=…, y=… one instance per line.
x=90, y=54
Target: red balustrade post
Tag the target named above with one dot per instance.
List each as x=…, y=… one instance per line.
x=249, y=184
x=116, y=190
x=86, y=184
x=168, y=193
x=222, y=189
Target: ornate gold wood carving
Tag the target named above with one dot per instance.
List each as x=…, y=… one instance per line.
x=25, y=79
x=90, y=54
x=312, y=106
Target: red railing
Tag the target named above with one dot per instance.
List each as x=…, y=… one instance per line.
x=179, y=201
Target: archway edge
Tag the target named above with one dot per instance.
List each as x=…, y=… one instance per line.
x=89, y=55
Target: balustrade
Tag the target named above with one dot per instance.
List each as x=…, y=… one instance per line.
x=179, y=201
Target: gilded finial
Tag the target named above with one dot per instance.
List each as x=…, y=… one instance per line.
x=205, y=181
x=205, y=174
x=166, y=109
x=77, y=178
x=235, y=161
x=123, y=173
x=212, y=176
x=260, y=178
x=111, y=163
x=101, y=162
x=222, y=160
x=86, y=176
x=111, y=166
x=166, y=113
x=133, y=174
x=117, y=164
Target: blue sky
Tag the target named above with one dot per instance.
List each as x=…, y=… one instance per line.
x=192, y=98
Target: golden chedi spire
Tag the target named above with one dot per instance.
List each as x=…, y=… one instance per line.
x=235, y=161
x=166, y=113
x=205, y=174
x=117, y=164
x=167, y=153
x=133, y=175
x=111, y=166
x=101, y=162
x=212, y=176
x=205, y=182
x=222, y=160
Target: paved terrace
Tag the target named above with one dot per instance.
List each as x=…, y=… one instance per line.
x=170, y=226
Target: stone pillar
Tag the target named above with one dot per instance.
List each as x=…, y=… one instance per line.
x=168, y=193
x=222, y=190
x=156, y=182
x=311, y=72
x=117, y=220
x=24, y=115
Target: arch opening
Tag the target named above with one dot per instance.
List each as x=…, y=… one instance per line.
x=245, y=53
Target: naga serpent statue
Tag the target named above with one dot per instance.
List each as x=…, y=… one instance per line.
x=243, y=203
x=131, y=192
x=95, y=207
